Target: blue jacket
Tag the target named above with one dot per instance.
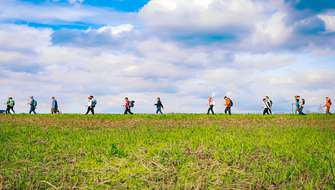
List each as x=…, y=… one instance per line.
x=54, y=104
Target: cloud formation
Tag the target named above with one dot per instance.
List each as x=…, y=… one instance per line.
x=329, y=21
x=179, y=50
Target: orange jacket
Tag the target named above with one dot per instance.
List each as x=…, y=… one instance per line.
x=328, y=103
x=228, y=102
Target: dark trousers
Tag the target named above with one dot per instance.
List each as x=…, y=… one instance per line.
x=301, y=111
x=128, y=111
x=328, y=110
x=90, y=109
x=159, y=110
x=9, y=108
x=266, y=111
x=210, y=109
x=32, y=109
x=54, y=110
x=227, y=110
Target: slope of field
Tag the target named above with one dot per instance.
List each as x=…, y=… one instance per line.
x=167, y=152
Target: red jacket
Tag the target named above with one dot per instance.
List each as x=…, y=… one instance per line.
x=126, y=104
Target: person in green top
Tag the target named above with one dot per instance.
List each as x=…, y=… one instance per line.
x=10, y=105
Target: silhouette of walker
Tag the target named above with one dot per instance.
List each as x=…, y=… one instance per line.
x=229, y=104
x=33, y=104
x=54, y=106
x=211, y=104
x=10, y=105
x=128, y=105
x=328, y=104
x=91, y=103
x=159, y=106
x=267, y=105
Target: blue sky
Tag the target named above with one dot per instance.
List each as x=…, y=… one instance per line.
x=315, y=6
x=118, y=5
x=182, y=51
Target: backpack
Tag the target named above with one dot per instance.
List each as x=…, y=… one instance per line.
x=11, y=103
x=303, y=102
x=231, y=103
x=56, y=104
x=34, y=103
x=132, y=103
x=94, y=102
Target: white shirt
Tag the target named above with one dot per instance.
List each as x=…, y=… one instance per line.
x=212, y=102
x=267, y=104
x=89, y=103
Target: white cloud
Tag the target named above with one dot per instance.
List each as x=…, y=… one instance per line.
x=24, y=38
x=265, y=61
x=211, y=16
x=272, y=31
x=7, y=57
x=115, y=31
x=252, y=25
x=200, y=14
x=329, y=21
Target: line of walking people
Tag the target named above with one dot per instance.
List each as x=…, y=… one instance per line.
x=229, y=103
x=267, y=102
x=129, y=104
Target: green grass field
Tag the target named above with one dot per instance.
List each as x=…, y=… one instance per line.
x=167, y=152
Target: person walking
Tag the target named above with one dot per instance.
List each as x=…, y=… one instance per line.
x=267, y=106
x=54, y=106
x=159, y=106
x=328, y=104
x=10, y=105
x=297, y=104
x=33, y=105
x=211, y=104
x=128, y=105
x=228, y=104
x=91, y=105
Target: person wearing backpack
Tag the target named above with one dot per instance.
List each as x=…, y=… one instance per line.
x=228, y=103
x=33, y=105
x=328, y=104
x=159, y=106
x=211, y=104
x=54, y=106
x=91, y=105
x=10, y=105
x=267, y=106
x=128, y=105
x=297, y=104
